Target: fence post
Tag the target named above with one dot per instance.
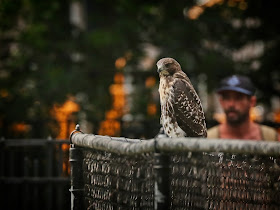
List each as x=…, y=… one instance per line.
x=162, y=183
x=77, y=185
x=49, y=173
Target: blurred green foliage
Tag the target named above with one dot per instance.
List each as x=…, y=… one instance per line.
x=44, y=58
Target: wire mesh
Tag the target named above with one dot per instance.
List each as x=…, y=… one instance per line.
x=224, y=181
x=202, y=174
x=117, y=182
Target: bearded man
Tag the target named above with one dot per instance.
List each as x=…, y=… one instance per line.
x=237, y=97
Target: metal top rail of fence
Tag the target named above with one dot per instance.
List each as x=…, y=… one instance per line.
x=127, y=146
x=164, y=173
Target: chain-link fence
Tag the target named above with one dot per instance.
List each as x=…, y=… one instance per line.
x=165, y=173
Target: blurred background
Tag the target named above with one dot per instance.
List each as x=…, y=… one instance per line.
x=64, y=62
x=94, y=62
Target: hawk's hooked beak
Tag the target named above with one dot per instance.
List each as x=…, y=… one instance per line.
x=162, y=70
x=159, y=70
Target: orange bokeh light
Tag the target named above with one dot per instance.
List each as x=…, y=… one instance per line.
x=194, y=12
x=119, y=78
x=277, y=119
x=150, y=82
x=20, y=127
x=152, y=109
x=120, y=63
x=4, y=93
x=111, y=125
x=62, y=114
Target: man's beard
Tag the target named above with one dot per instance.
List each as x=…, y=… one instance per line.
x=239, y=118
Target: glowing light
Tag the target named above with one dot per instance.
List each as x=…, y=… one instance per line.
x=194, y=12
x=120, y=63
x=62, y=114
x=118, y=93
x=152, y=109
x=111, y=125
x=119, y=78
x=277, y=119
x=211, y=3
x=4, y=93
x=20, y=127
x=256, y=114
x=150, y=82
x=277, y=116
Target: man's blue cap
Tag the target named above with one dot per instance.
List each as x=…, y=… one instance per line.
x=241, y=84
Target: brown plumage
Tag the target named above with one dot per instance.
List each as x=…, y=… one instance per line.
x=181, y=110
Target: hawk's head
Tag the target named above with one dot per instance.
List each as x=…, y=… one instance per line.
x=168, y=66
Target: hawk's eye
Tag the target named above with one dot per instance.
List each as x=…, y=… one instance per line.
x=167, y=65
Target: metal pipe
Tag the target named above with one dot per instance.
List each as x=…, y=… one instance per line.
x=77, y=183
x=162, y=188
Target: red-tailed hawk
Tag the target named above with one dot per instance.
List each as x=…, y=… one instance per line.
x=181, y=110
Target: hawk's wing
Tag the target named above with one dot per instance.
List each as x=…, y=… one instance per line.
x=188, y=110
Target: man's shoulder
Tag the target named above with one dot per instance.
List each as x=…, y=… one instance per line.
x=268, y=133
x=213, y=133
